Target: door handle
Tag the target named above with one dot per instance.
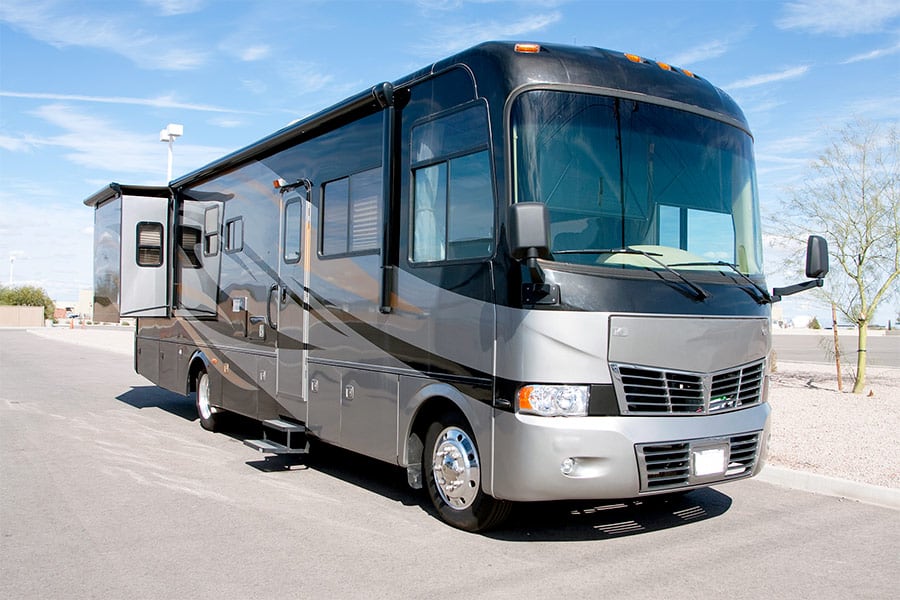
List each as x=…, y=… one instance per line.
x=272, y=323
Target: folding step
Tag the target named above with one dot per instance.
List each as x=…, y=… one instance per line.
x=270, y=447
x=281, y=437
x=282, y=425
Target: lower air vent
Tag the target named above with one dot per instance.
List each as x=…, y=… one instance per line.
x=668, y=466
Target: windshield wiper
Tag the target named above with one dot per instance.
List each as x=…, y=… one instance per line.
x=763, y=298
x=699, y=292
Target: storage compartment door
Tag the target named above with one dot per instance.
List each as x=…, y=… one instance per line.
x=144, y=258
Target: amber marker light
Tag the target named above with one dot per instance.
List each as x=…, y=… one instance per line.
x=664, y=66
x=525, y=398
x=634, y=58
x=528, y=48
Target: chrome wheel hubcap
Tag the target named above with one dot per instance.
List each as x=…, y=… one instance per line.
x=203, y=397
x=456, y=468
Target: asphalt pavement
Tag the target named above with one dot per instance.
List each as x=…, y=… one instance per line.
x=109, y=488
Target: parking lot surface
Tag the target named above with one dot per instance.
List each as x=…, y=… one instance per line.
x=109, y=488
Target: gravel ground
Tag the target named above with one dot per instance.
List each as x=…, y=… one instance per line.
x=819, y=429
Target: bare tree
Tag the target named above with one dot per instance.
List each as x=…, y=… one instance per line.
x=850, y=195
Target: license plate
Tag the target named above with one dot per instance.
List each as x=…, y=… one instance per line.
x=709, y=461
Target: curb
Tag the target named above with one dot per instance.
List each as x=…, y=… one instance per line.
x=831, y=486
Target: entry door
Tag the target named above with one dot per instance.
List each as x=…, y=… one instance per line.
x=291, y=294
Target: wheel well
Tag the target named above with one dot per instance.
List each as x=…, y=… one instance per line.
x=428, y=413
x=198, y=365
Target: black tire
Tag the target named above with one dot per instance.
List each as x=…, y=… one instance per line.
x=454, y=486
x=210, y=416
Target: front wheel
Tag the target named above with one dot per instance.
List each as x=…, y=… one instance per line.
x=210, y=417
x=453, y=477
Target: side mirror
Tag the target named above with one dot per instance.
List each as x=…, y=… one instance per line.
x=816, y=257
x=816, y=268
x=528, y=230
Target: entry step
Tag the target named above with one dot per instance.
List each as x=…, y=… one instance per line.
x=270, y=447
x=286, y=426
x=281, y=437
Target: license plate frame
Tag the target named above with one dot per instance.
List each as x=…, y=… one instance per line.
x=710, y=460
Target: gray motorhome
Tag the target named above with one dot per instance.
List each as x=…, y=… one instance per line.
x=522, y=273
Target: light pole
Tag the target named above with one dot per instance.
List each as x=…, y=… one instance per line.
x=172, y=131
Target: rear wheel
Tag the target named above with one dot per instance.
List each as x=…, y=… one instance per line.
x=210, y=417
x=453, y=477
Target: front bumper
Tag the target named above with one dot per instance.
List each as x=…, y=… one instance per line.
x=621, y=457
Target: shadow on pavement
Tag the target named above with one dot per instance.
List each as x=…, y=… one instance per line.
x=562, y=521
x=538, y=521
x=151, y=396
x=603, y=519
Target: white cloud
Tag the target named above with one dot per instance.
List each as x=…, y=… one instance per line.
x=64, y=24
x=254, y=53
x=756, y=80
x=14, y=144
x=159, y=102
x=313, y=79
x=100, y=145
x=226, y=122
x=170, y=8
x=873, y=55
x=706, y=51
x=838, y=17
x=453, y=38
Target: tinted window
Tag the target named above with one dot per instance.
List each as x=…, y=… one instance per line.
x=211, y=231
x=453, y=203
x=351, y=213
x=149, y=244
x=292, y=223
x=234, y=235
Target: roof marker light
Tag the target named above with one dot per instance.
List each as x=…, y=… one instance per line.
x=528, y=48
x=634, y=58
x=688, y=73
x=664, y=66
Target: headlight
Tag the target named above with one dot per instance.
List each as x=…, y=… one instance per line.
x=554, y=400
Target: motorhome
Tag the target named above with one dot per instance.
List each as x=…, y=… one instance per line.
x=523, y=273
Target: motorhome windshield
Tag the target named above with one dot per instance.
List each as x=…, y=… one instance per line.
x=619, y=174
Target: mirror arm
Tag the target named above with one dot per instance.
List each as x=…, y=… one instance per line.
x=777, y=293
x=534, y=269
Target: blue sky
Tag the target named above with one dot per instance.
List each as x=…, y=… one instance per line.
x=86, y=86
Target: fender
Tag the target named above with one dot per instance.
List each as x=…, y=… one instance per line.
x=434, y=397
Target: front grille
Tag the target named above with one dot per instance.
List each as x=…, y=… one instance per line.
x=645, y=390
x=668, y=466
x=736, y=388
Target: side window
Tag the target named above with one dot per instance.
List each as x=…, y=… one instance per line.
x=453, y=200
x=292, y=223
x=234, y=235
x=351, y=213
x=149, y=244
x=211, y=231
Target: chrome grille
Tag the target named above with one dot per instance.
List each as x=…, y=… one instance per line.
x=668, y=466
x=736, y=388
x=645, y=390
